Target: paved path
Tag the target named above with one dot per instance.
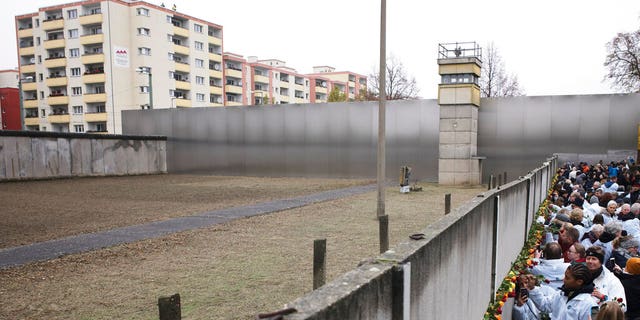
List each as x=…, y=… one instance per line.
x=52, y=249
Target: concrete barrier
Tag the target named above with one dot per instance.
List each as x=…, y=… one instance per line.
x=43, y=155
x=450, y=274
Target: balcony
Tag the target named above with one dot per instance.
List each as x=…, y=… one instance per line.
x=31, y=121
x=299, y=100
x=321, y=90
x=233, y=103
x=94, y=78
x=216, y=41
x=57, y=100
x=29, y=86
x=95, y=98
x=261, y=79
x=215, y=57
x=54, y=44
x=56, y=82
x=284, y=84
x=183, y=103
x=27, y=51
x=233, y=89
x=59, y=118
x=95, y=117
x=180, y=49
x=92, y=38
x=183, y=85
x=298, y=87
x=182, y=67
x=284, y=99
x=92, y=58
x=53, y=24
x=28, y=68
x=215, y=74
x=55, y=62
x=30, y=103
x=91, y=19
x=233, y=73
x=25, y=33
x=215, y=90
x=178, y=31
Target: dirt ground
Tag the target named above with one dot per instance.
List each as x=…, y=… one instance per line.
x=230, y=271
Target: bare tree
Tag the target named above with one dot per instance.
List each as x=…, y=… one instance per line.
x=398, y=84
x=623, y=61
x=494, y=81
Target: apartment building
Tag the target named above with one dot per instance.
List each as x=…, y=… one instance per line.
x=252, y=81
x=9, y=100
x=82, y=63
x=352, y=84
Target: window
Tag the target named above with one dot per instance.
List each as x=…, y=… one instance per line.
x=143, y=12
x=172, y=75
x=74, y=52
x=199, y=80
x=77, y=109
x=43, y=113
x=144, y=31
x=170, y=37
x=76, y=91
x=169, y=19
x=37, y=41
x=75, y=72
x=199, y=45
x=200, y=97
x=197, y=28
x=101, y=127
x=199, y=63
x=78, y=128
x=40, y=77
x=72, y=14
x=39, y=59
x=144, y=51
x=37, y=22
x=170, y=55
x=144, y=89
x=73, y=33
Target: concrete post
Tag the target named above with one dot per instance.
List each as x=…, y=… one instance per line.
x=169, y=307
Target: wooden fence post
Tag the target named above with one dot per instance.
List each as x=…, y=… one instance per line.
x=447, y=203
x=319, y=262
x=169, y=307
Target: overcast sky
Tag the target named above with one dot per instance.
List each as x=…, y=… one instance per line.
x=554, y=47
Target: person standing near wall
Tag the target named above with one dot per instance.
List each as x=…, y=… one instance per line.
x=607, y=286
x=573, y=301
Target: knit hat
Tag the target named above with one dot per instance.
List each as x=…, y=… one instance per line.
x=633, y=266
x=598, y=256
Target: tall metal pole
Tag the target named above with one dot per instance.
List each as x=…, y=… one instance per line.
x=382, y=97
x=150, y=91
x=21, y=105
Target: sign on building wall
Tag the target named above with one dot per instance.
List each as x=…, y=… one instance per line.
x=121, y=57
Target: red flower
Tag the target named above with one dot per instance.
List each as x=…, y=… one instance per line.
x=547, y=281
x=499, y=310
x=619, y=300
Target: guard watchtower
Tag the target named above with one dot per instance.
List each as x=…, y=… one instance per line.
x=460, y=65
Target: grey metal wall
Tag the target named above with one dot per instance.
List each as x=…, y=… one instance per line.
x=339, y=139
x=328, y=140
x=517, y=133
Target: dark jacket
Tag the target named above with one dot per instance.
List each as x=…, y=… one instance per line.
x=631, y=284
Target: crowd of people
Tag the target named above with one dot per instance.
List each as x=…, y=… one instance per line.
x=588, y=265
